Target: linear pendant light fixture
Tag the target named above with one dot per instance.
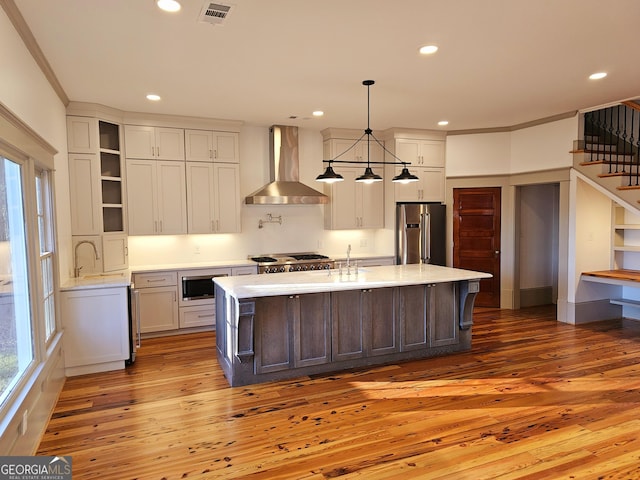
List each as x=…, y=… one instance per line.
x=369, y=176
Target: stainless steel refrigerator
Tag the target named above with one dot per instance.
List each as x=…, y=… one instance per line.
x=420, y=233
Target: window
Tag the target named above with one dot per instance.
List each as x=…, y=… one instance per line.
x=45, y=235
x=16, y=329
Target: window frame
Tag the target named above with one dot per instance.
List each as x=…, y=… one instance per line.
x=44, y=220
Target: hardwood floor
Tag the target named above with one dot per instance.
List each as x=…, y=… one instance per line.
x=534, y=399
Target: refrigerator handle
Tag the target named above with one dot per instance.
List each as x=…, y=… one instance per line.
x=425, y=232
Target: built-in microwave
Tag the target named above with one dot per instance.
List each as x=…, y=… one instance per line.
x=197, y=288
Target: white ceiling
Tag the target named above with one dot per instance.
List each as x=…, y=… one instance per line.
x=501, y=62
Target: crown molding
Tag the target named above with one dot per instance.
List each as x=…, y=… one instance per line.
x=513, y=128
x=30, y=42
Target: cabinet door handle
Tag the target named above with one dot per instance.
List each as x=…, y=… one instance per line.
x=210, y=153
x=160, y=226
x=153, y=153
x=158, y=150
x=155, y=225
x=205, y=315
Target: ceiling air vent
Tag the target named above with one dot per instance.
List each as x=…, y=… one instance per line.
x=214, y=13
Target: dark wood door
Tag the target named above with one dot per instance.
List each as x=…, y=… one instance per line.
x=476, y=238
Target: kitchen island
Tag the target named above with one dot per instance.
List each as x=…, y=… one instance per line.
x=286, y=325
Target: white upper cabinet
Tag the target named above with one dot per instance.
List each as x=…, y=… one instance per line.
x=423, y=153
x=82, y=134
x=354, y=205
x=159, y=143
x=350, y=151
x=430, y=187
x=211, y=146
x=84, y=191
x=213, y=198
x=156, y=197
x=427, y=158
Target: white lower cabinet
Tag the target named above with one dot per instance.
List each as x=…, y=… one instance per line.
x=156, y=301
x=158, y=309
x=96, y=329
x=200, y=316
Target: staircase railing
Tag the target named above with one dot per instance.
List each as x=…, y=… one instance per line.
x=612, y=136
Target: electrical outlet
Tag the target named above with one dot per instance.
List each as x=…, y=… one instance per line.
x=363, y=242
x=196, y=250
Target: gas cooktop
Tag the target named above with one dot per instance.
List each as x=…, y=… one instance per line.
x=291, y=262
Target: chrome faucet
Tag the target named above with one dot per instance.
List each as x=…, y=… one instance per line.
x=76, y=268
x=349, y=260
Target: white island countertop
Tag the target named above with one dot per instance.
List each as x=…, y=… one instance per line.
x=293, y=283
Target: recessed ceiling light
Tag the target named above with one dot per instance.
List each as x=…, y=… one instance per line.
x=443, y=123
x=153, y=97
x=318, y=113
x=168, y=5
x=597, y=76
x=428, y=49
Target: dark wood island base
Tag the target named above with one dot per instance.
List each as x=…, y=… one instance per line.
x=266, y=338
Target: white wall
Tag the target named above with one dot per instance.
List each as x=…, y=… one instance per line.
x=543, y=147
x=28, y=94
x=482, y=154
x=592, y=245
x=25, y=91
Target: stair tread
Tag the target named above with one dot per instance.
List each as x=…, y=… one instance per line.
x=628, y=187
x=614, y=174
x=608, y=162
x=631, y=155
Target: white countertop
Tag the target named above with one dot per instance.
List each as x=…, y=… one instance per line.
x=98, y=280
x=290, y=283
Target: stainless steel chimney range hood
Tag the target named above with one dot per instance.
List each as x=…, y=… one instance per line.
x=285, y=187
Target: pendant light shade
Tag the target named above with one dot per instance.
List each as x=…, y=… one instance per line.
x=405, y=177
x=368, y=176
x=329, y=176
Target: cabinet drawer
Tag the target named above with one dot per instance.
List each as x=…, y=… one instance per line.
x=158, y=279
x=200, y=316
x=251, y=270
